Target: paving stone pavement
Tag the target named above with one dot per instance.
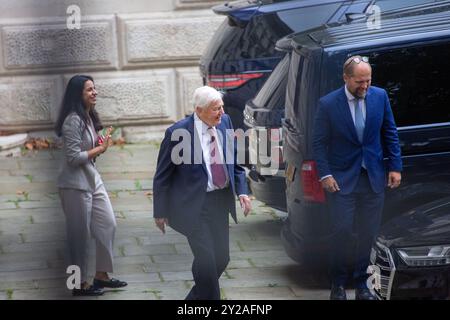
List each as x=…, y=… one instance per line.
x=156, y=266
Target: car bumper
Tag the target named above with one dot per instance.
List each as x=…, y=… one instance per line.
x=423, y=283
x=406, y=283
x=269, y=189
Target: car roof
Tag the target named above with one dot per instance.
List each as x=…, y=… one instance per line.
x=252, y=6
x=244, y=10
x=286, y=5
x=268, y=6
x=428, y=18
x=391, y=30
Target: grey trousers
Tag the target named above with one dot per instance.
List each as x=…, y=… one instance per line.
x=89, y=214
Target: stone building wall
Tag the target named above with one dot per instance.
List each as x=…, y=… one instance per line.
x=142, y=54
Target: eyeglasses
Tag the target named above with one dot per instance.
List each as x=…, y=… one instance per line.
x=356, y=60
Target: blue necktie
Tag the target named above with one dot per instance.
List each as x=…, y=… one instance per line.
x=359, y=120
x=359, y=124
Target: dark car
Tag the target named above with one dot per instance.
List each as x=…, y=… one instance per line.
x=241, y=54
x=263, y=113
x=263, y=116
x=409, y=58
x=412, y=254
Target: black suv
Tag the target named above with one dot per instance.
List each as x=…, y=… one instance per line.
x=241, y=54
x=264, y=112
x=409, y=57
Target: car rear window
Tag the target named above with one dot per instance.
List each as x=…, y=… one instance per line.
x=272, y=94
x=256, y=40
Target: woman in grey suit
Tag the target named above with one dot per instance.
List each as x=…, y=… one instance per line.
x=83, y=196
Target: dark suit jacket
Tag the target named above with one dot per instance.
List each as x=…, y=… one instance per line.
x=336, y=147
x=179, y=189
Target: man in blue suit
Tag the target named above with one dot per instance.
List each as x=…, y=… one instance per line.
x=195, y=185
x=354, y=130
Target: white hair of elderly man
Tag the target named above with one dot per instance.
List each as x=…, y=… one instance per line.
x=204, y=96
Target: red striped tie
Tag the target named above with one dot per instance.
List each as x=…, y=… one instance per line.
x=217, y=170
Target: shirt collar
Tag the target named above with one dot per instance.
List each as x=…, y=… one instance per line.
x=350, y=97
x=200, y=125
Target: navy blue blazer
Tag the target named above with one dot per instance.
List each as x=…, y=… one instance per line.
x=336, y=147
x=179, y=189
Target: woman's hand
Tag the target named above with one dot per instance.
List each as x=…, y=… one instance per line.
x=103, y=143
x=106, y=141
x=109, y=131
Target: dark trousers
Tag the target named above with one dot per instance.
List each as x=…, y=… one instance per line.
x=355, y=221
x=209, y=243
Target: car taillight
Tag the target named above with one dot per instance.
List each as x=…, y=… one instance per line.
x=231, y=81
x=312, y=188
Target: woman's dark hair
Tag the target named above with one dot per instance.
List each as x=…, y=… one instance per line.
x=73, y=102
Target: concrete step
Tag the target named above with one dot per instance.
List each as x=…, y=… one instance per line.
x=10, y=145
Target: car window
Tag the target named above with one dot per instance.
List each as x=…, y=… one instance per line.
x=417, y=80
x=272, y=94
x=257, y=39
x=294, y=79
x=224, y=34
x=307, y=17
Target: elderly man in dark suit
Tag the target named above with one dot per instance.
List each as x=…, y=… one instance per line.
x=194, y=188
x=354, y=130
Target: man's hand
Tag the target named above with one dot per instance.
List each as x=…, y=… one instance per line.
x=394, y=179
x=330, y=185
x=161, y=223
x=246, y=204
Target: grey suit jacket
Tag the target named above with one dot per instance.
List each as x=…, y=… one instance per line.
x=77, y=172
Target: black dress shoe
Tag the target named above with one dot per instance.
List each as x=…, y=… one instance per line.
x=338, y=293
x=364, y=294
x=89, y=291
x=111, y=283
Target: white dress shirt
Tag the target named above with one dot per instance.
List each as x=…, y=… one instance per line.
x=351, y=104
x=205, y=140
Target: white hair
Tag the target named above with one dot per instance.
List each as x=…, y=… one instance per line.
x=205, y=95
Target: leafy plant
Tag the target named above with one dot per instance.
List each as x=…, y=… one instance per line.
x=9, y=293
x=138, y=185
